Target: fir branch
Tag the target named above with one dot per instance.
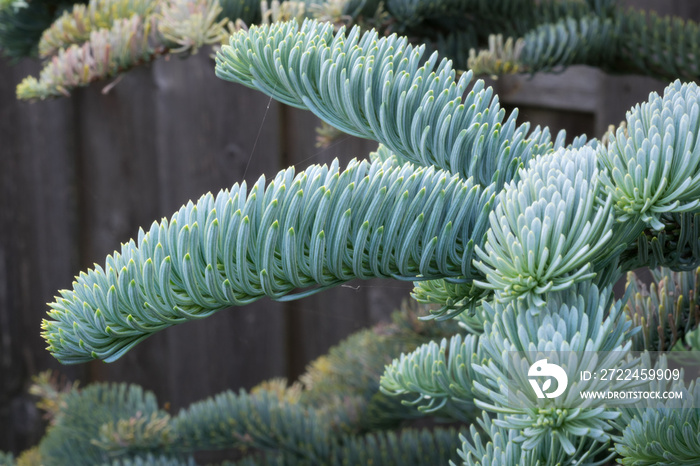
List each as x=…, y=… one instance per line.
x=667, y=48
x=69, y=440
x=282, y=11
x=500, y=58
x=557, y=35
x=409, y=447
x=107, y=53
x=330, y=11
x=379, y=88
x=259, y=421
x=483, y=18
x=453, y=298
x=75, y=27
x=676, y=246
x=667, y=311
x=138, y=433
x=319, y=228
x=500, y=449
x=52, y=392
x=667, y=434
x=655, y=168
x=503, y=447
x=434, y=373
x=578, y=330
x=548, y=229
x=186, y=25
x=179, y=26
x=588, y=40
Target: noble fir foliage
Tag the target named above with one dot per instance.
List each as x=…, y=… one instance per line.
x=84, y=42
x=508, y=230
x=505, y=229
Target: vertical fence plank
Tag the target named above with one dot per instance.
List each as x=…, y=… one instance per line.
x=38, y=248
x=212, y=134
x=119, y=192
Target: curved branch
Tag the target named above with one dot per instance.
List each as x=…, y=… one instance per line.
x=311, y=231
x=381, y=89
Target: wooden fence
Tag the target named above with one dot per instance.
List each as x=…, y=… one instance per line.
x=78, y=177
